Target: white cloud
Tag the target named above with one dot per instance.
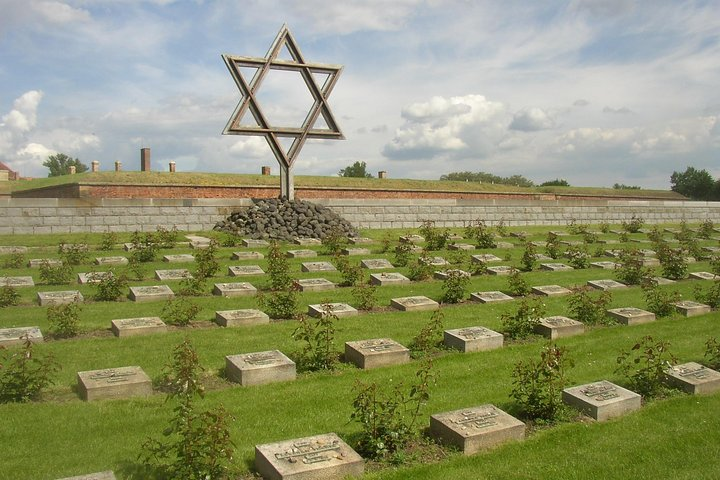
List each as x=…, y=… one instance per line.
x=355, y=15
x=532, y=119
x=618, y=111
x=252, y=147
x=23, y=116
x=55, y=12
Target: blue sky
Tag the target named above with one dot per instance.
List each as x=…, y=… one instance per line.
x=594, y=91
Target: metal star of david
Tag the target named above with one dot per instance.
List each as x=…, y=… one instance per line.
x=272, y=133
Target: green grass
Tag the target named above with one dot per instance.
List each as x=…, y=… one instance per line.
x=673, y=438
x=224, y=179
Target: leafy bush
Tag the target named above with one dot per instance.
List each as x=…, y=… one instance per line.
x=435, y=239
x=73, y=253
x=403, y=253
x=659, y=301
x=64, y=320
x=352, y=273
x=631, y=270
x=144, y=247
x=604, y=227
x=715, y=264
x=711, y=296
x=578, y=257
x=108, y=241
x=206, y=262
x=590, y=309
x=9, y=296
x=389, y=418
x=14, y=260
x=136, y=268
x=55, y=274
x=318, y=338
x=455, y=286
x=707, y=228
x=280, y=303
x=517, y=285
x=644, y=365
x=552, y=245
x=365, y=295
x=589, y=237
x=166, y=237
x=430, y=338
x=179, y=311
x=24, y=374
x=111, y=286
x=577, y=228
x=672, y=261
x=522, y=324
x=194, y=286
x=538, y=384
x=712, y=353
x=421, y=269
x=529, y=258
x=478, y=267
x=334, y=241
x=483, y=235
x=278, y=268
x=634, y=225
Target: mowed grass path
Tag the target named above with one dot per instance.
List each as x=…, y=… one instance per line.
x=674, y=438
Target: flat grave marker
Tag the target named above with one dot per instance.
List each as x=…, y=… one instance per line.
x=242, y=317
x=360, y=240
x=605, y=265
x=376, y=264
x=302, y=253
x=614, y=253
x=252, y=242
x=107, y=475
x=504, y=245
x=556, y=267
x=446, y=273
x=14, y=336
x=129, y=247
x=307, y=241
x=605, y=284
x=17, y=282
x=550, y=290
x=472, y=339
x=154, y=293
x=243, y=270
x=689, y=308
x=93, y=277
x=389, y=278
x=412, y=238
x=602, y=400
x=702, y=276
x=259, y=368
x=631, y=315
x=130, y=327
x=461, y=246
x=663, y=281
x=414, y=304
x=541, y=257
x=559, y=327
x=485, y=258
x=318, y=267
x=11, y=249
x=501, y=270
x=117, y=260
x=315, y=284
x=64, y=297
x=197, y=241
x=379, y=352
x=112, y=383
x=247, y=256
x=693, y=378
x=476, y=428
x=434, y=261
x=490, y=297
x=340, y=310
x=322, y=457
x=179, y=258
x=174, y=274
x=38, y=262
x=355, y=251
x=234, y=289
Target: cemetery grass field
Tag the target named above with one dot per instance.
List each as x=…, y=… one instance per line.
x=674, y=437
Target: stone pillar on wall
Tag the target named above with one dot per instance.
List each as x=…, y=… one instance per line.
x=171, y=165
x=73, y=169
x=265, y=170
x=95, y=166
x=382, y=174
x=118, y=166
x=144, y=159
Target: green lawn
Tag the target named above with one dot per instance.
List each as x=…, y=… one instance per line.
x=678, y=437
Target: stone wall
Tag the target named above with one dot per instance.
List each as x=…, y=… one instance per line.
x=70, y=215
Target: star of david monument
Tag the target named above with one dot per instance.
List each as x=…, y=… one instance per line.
x=318, y=77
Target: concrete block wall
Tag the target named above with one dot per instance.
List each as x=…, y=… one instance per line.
x=78, y=215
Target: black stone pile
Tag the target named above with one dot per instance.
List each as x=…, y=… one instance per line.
x=284, y=219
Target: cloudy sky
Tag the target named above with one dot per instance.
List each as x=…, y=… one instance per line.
x=593, y=91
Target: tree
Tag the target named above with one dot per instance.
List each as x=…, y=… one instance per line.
x=558, y=182
x=59, y=164
x=483, y=177
x=694, y=184
x=356, y=170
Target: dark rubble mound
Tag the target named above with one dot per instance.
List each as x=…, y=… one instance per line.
x=284, y=219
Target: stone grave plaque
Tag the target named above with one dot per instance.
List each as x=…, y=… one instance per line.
x=631, y=315
x=639, y=240
x=111, y=383
x=10, y=249
x=111, y=260
x=485, y=258
x=306, y=241
x=490, y=297
x=416, y=249
x=559, y=327
x=434, y=261
x=176, y=274
x=247, y=256
x=391, y=278
x=520, y=234
x=78, y=247
x=380, y=352
x=605, y=265
x=129, y=247
x=461, y=246
x=315, y=284
x=238, y=318
x=606, y=284
x=550, y=290
x=93, y=277
x=650, y=262
x=301, y=253
x=693, y=378
x=38, y=262
x=259, y=368
x=355, y=251
x=646, y=252
x=558, y=233
x=476, y=428
x=571, y=243
x=236, y=289
x=108, y=475
x=376, y=264
x=455, y=236
x=322, y=457
x=614, y=253
x=197, y=241
x=412, y=238
x=446, y=273
x=712, y=249
x=251, y=242
x=241, y=270
x=689, y=308
x=129, y=327
x=338, y=309
x=504, y=245
x=602, y=400
x=179, y=258
x=414, y=304
x=500, y=270
x=14, y=336
x=555, y=267
x=473, y=339
x=17, y=282
x=360, y=240
x=541, y=257
x=607, y=241
x=59, y=298
x=702, y=276
x=538, y=244
x=663, y=281
x=317, y=267
x=153, y=293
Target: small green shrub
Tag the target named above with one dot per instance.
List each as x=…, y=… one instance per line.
x=278, y=268
x=73, y=253
x=517, y=285
x=659, y=301
x=352, y=273
x=420, y=268
x=403, y=253
x=631, y=270
x=478, y=267
x=715, y=264
x=24, y=374
x=644, y=366
x=318, y=341
x=634, y=225
x=672, y=261
x=455, y=286
x=9, y=296
x=108, y=241
x=386, y=242
x=55, y=274
x=501, y=228
x=280, y=303
x=711, y=296
x=136, y=268
x=111, y=286
x=577, y=228
x=712, y=353
x=604, y=227
x=334, y=241
x=144, y=247
x=194, y=286
x=578, y=257
x=529, y=258
x=365, y=295
x=430, y=338
x=179, y=311
x=707, y=228
x=552, y=245
x=590, y=309
x=522, y=324
x=166, y=237
x=538, y=384
x=483, y=235
x=589, y=237
x=64, y=320
x=14, y=260
x=435, y=239
x=206, y=262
